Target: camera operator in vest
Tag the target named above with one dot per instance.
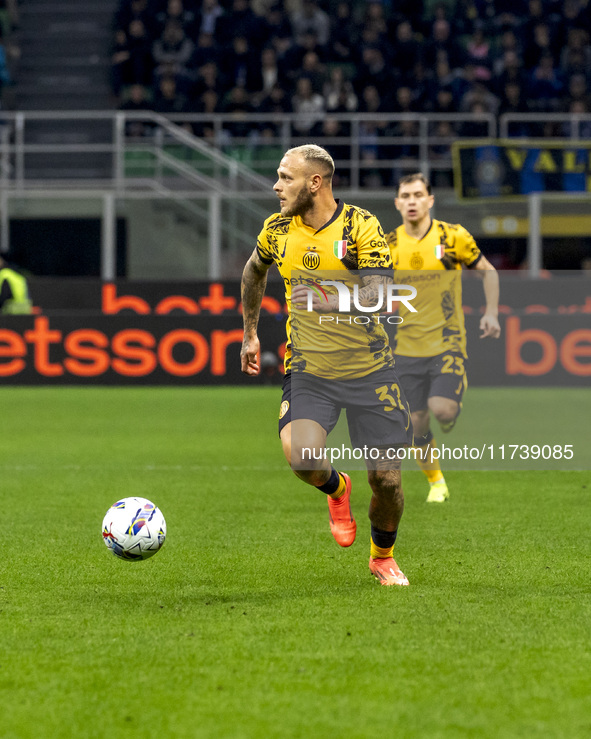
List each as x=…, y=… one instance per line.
x=14, y=293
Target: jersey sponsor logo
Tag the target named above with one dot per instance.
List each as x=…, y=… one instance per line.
x=284, y=408
x=311, y=260
x=340, y=249
x=416, y=261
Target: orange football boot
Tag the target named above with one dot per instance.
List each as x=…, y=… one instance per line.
x=386, y=571
x=342, y=523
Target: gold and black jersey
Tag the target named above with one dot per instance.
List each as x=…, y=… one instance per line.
x=432, y=264
x=351, y=244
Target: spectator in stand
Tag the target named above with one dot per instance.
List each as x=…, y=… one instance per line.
x=10, y=19
x=572, y=16
x=311, y=19
x=167, y=99
x=241, y=21
x=270, y=73
x=440, y=41
x=536, y=13
x=444, y=100
x=465, y=15
x=209, y=16
x=205, y=51
x=476, y=127
x=343, y=35
x=512, y=71
x=408, y=132
x=505, y=14
x=131, y=10
x=208, y=78
x=238, y=106
x=308, y=106
x=513, y=101
x=177, y=11
x=172, y=53
x=279, y=34
x=294, y=56
x=420, y=83
x=403, y=100
x=440, y=151
x=375, y=21
x=5, y=78
x=207, y=103
x=442, y=77
x=276, y=102
x=537, y=45
x=478, y=53
x=545, y=87
x=578, y=91
x=174, y=46
x=477, y=92
x=339, y=93
x=132, y=61
x=137, y=101
x=571, y=129
x=374, y=72
x=508, y=42
x=314, y=70
x=370, y=133
x=241, y=66
x=405, y=52
x=410, y=10
x=576, y=55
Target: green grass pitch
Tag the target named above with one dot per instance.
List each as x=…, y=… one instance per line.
x=252, y=622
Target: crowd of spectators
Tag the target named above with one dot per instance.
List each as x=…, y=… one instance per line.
x=9, y=48
x=314, y=58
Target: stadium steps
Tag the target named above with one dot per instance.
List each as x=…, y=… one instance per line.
x=65, y=65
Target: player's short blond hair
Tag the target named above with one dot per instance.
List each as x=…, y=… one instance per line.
x=315, y=156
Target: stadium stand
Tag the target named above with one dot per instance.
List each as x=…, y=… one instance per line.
x=503, y=56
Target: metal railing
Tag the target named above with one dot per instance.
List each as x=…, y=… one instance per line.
x=545, y=125
x=230, y=148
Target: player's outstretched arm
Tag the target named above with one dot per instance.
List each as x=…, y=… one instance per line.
x=489, y=323
x=254, y=282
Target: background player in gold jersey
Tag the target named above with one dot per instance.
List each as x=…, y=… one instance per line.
x=352, y=367
x=431, y=344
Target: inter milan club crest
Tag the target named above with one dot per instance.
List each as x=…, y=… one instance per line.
x=311, y=260
x=340, y=249
x=416, y=260
x=439, y=251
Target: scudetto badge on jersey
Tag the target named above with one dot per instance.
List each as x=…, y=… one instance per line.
x=283, y=409
x=439, y=251
x=340, y=249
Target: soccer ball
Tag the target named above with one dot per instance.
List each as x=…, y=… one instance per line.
x=134, y=529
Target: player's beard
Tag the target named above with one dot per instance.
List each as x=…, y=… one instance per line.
x=304, y=202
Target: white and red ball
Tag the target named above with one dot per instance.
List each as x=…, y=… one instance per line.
x=134, y=529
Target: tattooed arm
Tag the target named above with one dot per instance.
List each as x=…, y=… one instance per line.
x=254, y=281
x=369, y=292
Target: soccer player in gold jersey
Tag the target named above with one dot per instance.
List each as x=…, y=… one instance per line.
x=332, y=361
x=431, y=343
